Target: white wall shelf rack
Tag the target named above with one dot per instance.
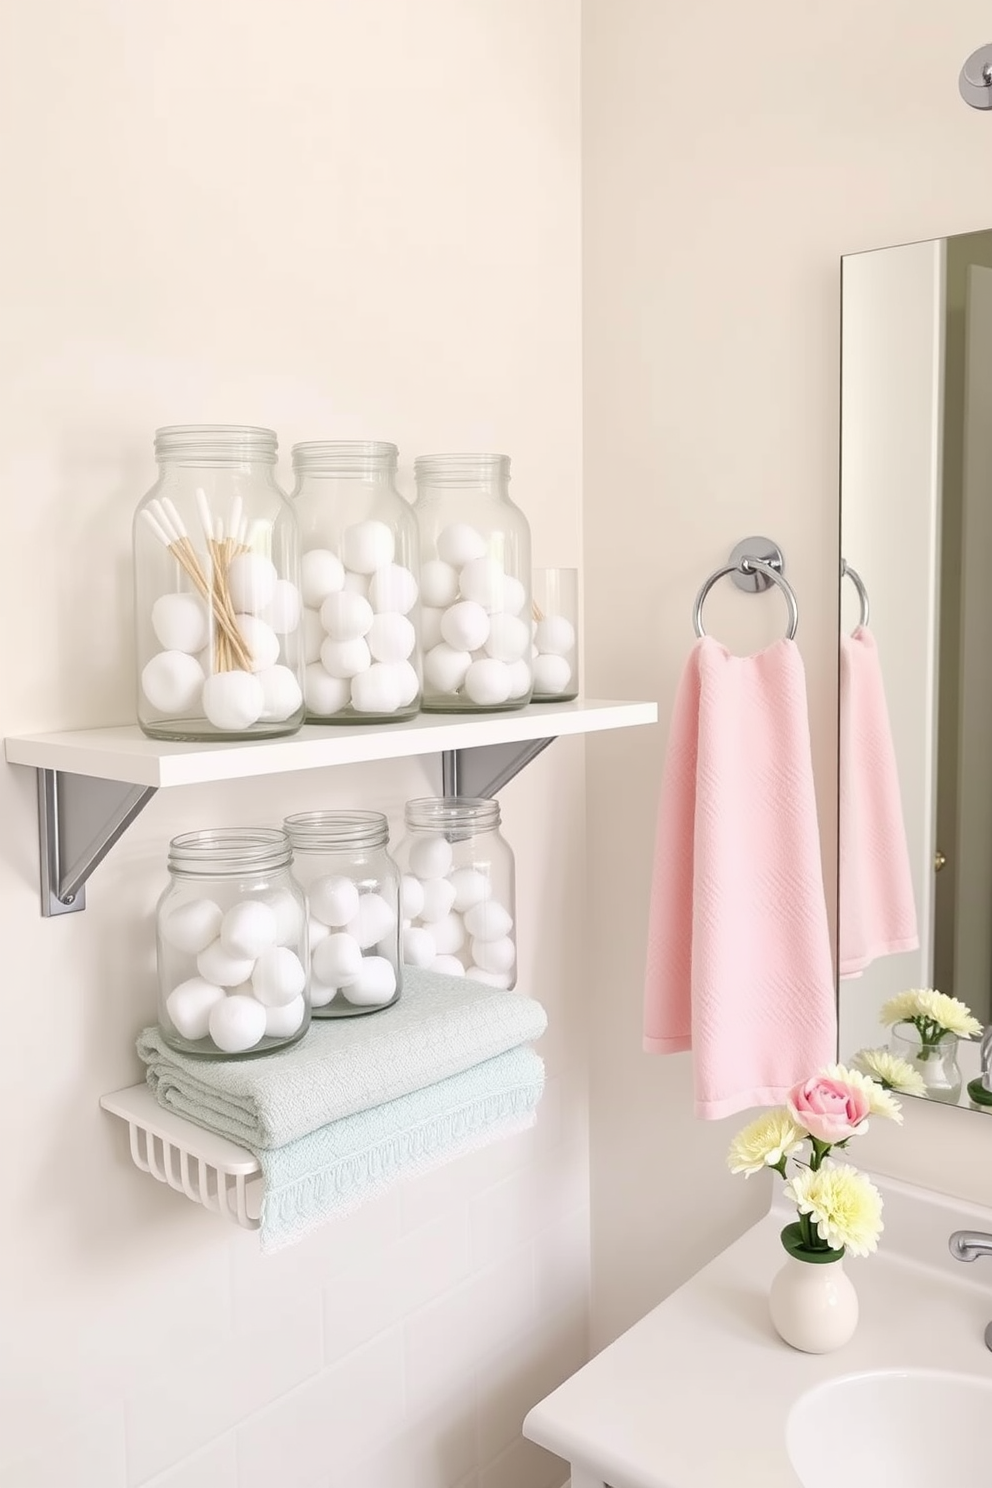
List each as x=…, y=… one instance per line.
x=92, y=783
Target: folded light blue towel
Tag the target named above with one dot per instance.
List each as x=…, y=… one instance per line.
x=441, y=1026
x=347, y=1162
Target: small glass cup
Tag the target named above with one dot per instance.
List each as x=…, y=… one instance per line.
x=555, y=654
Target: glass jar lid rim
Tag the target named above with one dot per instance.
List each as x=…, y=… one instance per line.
x=250, y=847
x=344, y=828
x=231, y=440
x=315, y=451
x=452, y=808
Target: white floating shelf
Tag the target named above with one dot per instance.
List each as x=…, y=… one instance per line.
x=125, y=754
x=207, y=1168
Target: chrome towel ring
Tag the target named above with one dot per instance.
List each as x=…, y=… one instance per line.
x=756, y=564
x=847, y=572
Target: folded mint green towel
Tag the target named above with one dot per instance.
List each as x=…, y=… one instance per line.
x=331, y=1171
x=441, y=1026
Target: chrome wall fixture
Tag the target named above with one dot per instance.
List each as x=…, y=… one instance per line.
x=755, y=564
x=975, y=82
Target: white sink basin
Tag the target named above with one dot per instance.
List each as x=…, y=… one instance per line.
x=918, y=1428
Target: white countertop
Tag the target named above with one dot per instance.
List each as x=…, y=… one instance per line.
x=697, y=1393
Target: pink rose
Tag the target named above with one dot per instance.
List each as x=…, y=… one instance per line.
x=829, y=1110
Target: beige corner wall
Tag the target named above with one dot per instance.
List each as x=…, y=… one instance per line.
x=731, y=156
x=339, y=219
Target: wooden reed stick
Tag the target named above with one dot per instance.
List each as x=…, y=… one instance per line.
x=230, y=649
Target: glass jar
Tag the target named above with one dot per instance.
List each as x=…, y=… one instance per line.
x=474, y=585
x=360, y=584
x=555, y=654
x=936, y=1063
x=457, y=899
x=231, y=945
x=352, y=885
x=217, y=600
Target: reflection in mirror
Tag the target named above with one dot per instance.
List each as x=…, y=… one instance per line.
x=915, y=893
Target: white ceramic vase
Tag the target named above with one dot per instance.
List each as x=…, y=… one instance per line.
x=813, y=1304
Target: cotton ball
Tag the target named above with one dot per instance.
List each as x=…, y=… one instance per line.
x=237, y=1024
x=367, y=546
x=391, y=637
x=346, y=616
x=189, y=1004
x=356, y=583
x=180, y=622
x=345, y=659
x=508, y=637
x=514, y=595
x=419, y=948
x=333, y=899
x=554, y=635
x=261, y=641
x=374, y=920
x=488, y=920
x=281, y=692
x=233, y=700
x=411, y=896
x=430, y=626
x=337, y=960
x=487, y=682
x=445, y=668
x=458, y=544
x=449, y=934
x=325, y=695
x=404, y=680
x=323, y=574
x=278, y=977
x=316, y=932
x=217, y=965
x=289, y=915
x=439, y=899
x=320, y=995
x=375, y=983
x=484, y=581
x=393, y=588
x=438, y=583
x=448, y=965
x=284, y=1021
x=521, y=679
x=284, y=608
x=378, y=690
x=430, y=856
x=248, y=928
x=190, y=927
x=471, y=887
x=494, y=955
x=465, y=626
x=251, y=582
x=552, y=674
x=491, y=978
x=172, y=682
x=314, y=635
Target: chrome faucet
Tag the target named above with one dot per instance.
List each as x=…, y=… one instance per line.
x=968, y=1245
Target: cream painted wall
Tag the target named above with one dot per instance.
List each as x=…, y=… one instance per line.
x=337, y=219
x=731, y=156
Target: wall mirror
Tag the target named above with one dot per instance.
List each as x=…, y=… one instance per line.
x=915, y=894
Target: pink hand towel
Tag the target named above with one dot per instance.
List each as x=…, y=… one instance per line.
x=877, y=911
x=739, y=959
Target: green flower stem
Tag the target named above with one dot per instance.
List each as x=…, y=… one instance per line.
x=818, y=1151
x=930, y=1033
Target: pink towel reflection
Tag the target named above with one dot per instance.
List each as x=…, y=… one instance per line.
x=739, y=960
x=877, y=912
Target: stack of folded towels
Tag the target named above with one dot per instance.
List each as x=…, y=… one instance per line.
x=361, y=1102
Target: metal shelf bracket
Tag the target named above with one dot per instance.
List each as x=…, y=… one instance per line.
x=484, y=770
x=79, y=819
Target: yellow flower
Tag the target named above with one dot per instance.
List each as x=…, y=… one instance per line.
x=765, y=1142
x=931, y=1007
x=892, y=1071
x=880, y=1102
x=845, y=1206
